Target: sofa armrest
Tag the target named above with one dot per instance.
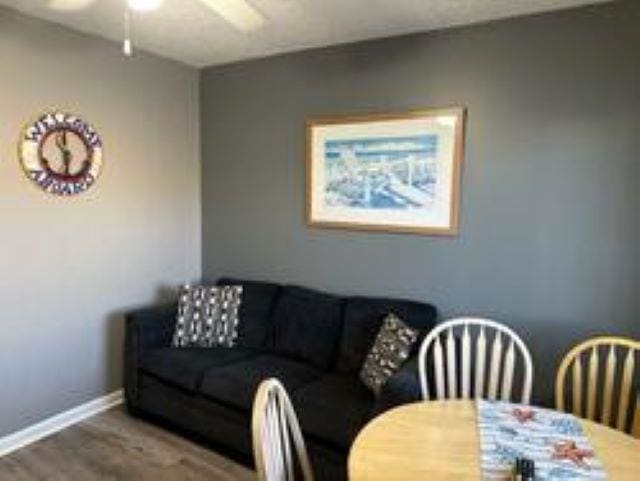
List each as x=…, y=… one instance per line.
x=401, y=388
x=145, y=329
x=151, y=327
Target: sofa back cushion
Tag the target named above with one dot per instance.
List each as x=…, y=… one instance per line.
x=258, y=300
x=307, y=325
x=363, y=317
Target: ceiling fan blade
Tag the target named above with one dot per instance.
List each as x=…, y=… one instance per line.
x=69, y=5
x=239, y=13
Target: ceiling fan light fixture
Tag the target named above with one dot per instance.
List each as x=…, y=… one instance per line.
x=239, y=13
x=144, y=5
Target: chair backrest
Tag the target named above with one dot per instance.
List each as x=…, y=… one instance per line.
x=278, y=447
x=587, y=360
x=449, y=362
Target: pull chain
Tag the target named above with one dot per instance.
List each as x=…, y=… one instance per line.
x=127, y=47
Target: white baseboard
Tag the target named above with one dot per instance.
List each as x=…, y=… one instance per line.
x=56, y=423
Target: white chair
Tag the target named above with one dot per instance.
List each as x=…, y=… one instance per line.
x=274, y=427
x=459, y=332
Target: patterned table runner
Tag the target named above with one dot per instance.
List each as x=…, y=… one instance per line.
x=554, y=441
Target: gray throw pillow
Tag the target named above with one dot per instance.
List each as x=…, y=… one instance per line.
x=207, y=316
x=389, y=351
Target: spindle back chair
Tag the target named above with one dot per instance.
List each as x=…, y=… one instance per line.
x=475, y=381
x=278, y=447
x=601, y=354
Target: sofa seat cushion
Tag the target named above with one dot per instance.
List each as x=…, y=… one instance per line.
x=333, y=409
x=185, y=367
x=236, y=384
x=307, y=325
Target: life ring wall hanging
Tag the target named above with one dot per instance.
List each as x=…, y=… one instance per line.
x=61, y=153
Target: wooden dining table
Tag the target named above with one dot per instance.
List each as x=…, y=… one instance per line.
x=439, y=440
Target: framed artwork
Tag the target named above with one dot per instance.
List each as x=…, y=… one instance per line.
x=61, y=153
x=386, y=172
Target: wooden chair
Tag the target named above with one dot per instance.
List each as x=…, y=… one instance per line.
x=595, y=350
x=500, y=374
x=274, y=427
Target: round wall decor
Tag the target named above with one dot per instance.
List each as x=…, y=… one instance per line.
x=61, y=153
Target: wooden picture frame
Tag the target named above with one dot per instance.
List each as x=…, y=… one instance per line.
x=398, y=172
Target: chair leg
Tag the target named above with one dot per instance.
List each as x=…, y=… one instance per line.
x=635, y=428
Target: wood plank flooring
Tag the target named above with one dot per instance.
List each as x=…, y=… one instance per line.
x=113, y=446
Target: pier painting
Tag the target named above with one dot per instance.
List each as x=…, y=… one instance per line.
x=394, y=173
x=381, y=173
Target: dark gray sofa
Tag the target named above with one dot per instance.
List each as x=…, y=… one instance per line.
x=314, y=342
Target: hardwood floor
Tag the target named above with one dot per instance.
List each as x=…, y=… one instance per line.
x=113, y=446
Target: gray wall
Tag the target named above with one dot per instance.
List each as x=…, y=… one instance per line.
x=550, y=224
x=69, y=267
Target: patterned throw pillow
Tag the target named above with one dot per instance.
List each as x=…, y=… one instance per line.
x=207, y=316
x=390, y=350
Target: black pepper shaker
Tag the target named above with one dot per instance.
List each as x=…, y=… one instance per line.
x=517, y=471
x=528, y=470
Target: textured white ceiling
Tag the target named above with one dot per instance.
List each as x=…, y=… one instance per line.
x=187, y=31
